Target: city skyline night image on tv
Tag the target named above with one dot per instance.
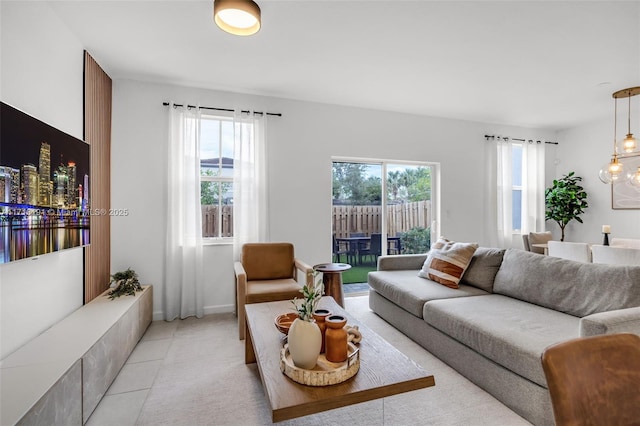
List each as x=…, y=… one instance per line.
x=44, y=187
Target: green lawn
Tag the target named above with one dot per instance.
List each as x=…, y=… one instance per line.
x=357, y=274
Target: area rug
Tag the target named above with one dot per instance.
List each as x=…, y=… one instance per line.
x=203, y=381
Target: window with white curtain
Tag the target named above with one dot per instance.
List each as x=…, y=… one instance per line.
x=516, y=182
x=216, y=176
x=517, y=186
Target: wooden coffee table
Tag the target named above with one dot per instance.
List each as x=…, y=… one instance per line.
x=384, y=371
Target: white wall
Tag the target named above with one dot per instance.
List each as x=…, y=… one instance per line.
x=585, y=150
x=300, y=146
x=41, y=74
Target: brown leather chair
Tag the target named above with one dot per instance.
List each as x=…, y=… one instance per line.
x=267, y=272
x=595, y=380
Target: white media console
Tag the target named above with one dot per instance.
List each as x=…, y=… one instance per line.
x=59, y=377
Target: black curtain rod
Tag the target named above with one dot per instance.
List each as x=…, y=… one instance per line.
x=225, y=109
x=506, y=138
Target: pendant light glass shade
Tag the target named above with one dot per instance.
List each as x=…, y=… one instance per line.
x=629, y=143
x=238, y=17
x=613, y=171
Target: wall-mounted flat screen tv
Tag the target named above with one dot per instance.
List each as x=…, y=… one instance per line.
x=44, y=187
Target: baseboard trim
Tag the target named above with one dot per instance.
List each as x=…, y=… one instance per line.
x=215, y=309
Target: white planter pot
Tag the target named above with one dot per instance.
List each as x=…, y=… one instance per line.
x=305, y=341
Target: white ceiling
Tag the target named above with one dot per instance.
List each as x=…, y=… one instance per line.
x=527, y=63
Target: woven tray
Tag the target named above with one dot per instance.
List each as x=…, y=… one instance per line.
x=325, y=373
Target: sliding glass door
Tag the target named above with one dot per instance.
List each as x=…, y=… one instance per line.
x=409, y=210
x=379, y=208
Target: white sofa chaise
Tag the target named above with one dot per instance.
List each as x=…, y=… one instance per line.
x=509, y=307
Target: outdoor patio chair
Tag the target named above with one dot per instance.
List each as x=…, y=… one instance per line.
x=339, y=249
x=395, y=246
x=374, y=250
x=357, y=247
x=268, y=272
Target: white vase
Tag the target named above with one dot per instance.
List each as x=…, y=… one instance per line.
x=305, y=340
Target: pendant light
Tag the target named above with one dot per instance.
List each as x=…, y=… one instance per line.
x=237, y=17
x=615, y=171
x=629, y=143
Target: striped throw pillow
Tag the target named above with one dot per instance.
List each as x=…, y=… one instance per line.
x=447, y=261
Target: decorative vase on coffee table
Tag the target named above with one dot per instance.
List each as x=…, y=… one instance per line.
x=336, y=339
x=304, y=341
x=320, y=316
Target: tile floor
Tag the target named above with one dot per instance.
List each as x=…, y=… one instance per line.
x=161, y=343
x=128, y=392
x=168, y=378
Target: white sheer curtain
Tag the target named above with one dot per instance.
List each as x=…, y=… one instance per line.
x=183, y=287
x=499, y=190
x=504, y=188
x=250, y=209
x=533, y=186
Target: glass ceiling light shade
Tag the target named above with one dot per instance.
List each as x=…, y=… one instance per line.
x=613, y=171
x=629, y=143
x=238, y=17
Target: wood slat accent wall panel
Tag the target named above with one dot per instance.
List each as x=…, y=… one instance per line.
x=97, y=132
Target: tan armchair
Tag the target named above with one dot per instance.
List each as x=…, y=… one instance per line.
x=536, y=238
x=267, y=272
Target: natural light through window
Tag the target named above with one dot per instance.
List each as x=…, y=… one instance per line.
x=216, y=176
x=380, y=208
x=516, y=182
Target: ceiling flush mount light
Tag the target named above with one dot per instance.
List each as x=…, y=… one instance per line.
x=238, y=17
x=615, y=171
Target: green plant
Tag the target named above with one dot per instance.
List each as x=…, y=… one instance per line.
x=126, y=283
x=416, y=240
x=565, y=200
x=310, y=298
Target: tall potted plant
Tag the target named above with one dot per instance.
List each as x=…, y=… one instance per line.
x=565, y=200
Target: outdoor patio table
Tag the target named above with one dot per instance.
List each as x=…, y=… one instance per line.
x=355, y=243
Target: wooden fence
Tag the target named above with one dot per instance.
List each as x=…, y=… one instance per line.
x=346, y=219
x=368, y=219
x=211, y=223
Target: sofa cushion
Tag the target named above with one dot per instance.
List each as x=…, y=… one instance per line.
x=575, y=288
x=447, y=261
x=507, y=331
x=410, y=292
x=483, y=268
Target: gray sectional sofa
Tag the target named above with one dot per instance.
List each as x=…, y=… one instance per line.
x=510, y=305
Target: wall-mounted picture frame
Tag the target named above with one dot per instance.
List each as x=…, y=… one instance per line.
x=625, y=196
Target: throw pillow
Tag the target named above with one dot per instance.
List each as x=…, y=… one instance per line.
x=483, y=268
x=447, y=261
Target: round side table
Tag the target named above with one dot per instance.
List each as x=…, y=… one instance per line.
x=332, y=279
